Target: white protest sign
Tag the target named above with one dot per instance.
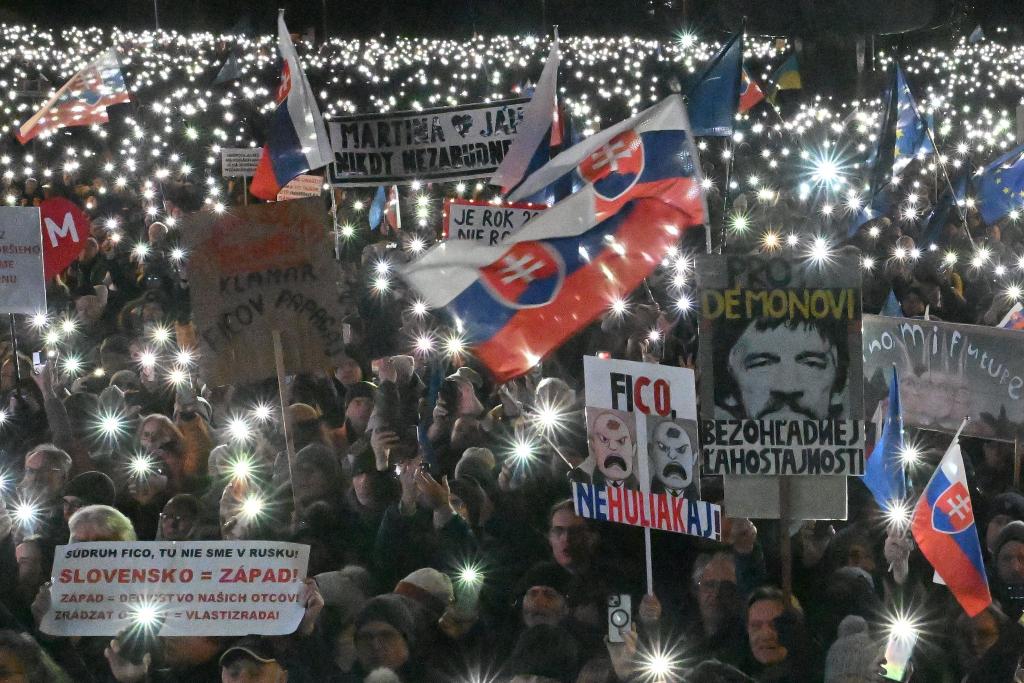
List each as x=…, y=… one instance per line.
x=643, y=463
x=485, y=222
x=300, y=187
x=190, y=588
x=22, y=282
x=239, y=161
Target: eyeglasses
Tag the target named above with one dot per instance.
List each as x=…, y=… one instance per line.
x=175, y=518
x=40, y=471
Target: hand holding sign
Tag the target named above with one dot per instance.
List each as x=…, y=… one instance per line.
x=65, y=229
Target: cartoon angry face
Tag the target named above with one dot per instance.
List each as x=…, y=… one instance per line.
x=612, y=445
x=672, y=456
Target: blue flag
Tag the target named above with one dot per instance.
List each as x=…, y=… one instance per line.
x=1001, y=186
x=376, y=212
x=712, y=101
x=977, y=35
x=945, y=208
x=883, y=473
x=911, y=128
x=230, y=71
x=892, y=307
x=881, y=162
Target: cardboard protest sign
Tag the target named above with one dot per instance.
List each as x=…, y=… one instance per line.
x=301, y=186
x=239, y=161
x=947, y=372
x=260, y=268
x=22, y=285
x=187, y=588
x=65, y=229
x=643, y=462
x=780, y=365
x=483, y=222
x=449, y=143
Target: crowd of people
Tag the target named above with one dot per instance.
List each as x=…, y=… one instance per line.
x=443, y=544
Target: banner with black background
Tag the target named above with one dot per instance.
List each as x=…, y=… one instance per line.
x=780, y=365
x=449, y=143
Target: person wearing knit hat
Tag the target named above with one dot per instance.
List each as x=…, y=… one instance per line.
x=477, y=462
x=1007, y=579
x=88, y=488
x=429, y=588
x=854, y=657
x=1003, y=509
x=385, y=633
x=346, y=590
x=544, y=593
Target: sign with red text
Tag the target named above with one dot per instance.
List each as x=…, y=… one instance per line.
x=643, y=466
x=22, y=286
x=65, y=229
x=187, y=588
x=485, y=222
x=300, y=187
x=260, y=268
x=661, y=511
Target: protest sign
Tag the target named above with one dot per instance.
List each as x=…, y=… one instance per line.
x=660, y=511
x=22, y=285
x=301, y=186
x=642, y=440
x=483, y=222
x=65, y=229
x=947, y=372
x=239, y=161
x=257, y=269
x=185, y=588
x=449, y=143
x=778, y=353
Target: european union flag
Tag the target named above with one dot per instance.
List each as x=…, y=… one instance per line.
x=712, y=101
x=881, y=161
x=911, y=128
x=883, y=473
x=1001, y=186
x=944, y=208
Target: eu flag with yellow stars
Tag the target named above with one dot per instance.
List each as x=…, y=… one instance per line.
x=1001, y=186
x=911, y=128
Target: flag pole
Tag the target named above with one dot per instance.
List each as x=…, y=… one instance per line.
x=288, y=441
x=945, y=174
x=725, y=192
x=14, y=351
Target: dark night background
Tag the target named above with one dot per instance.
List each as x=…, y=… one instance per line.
x=459, y=18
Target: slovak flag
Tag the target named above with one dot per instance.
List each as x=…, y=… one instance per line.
x=539, y=130
x=944, y=529
x=82, y=101
x=520, y=300
x=297, y=141
x=750, y=92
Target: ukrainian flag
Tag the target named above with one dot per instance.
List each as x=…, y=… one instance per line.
x=786, y=77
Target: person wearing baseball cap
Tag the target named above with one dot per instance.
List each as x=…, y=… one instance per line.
x=251, y=660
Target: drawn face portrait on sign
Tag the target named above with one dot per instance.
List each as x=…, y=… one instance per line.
x=612, y=440
x=781, y=369
x=672, y=452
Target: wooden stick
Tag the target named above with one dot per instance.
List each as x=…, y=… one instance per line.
x=785, y=542
x=289, y=443
x=650, y=563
